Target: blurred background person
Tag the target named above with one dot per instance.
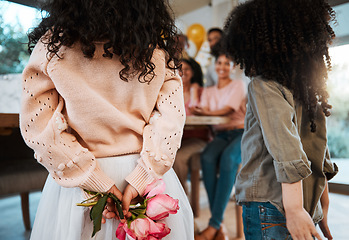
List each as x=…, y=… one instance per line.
x=182, y=41
x=221, y=157
x=214, y=35
x=194, y=140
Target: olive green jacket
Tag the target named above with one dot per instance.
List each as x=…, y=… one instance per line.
x=278, y=147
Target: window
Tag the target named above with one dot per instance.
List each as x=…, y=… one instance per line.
x=15, y=21
x=338, y=86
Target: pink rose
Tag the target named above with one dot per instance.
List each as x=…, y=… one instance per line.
x=159, y=230
x=152, y=238
x=160, y=206
x=120, y=232
x=156, y=187
x=142, y=229
x=123, y=230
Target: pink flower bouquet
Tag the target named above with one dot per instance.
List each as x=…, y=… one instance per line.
x=143, y=225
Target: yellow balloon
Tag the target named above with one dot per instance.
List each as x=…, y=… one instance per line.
x=197, y=34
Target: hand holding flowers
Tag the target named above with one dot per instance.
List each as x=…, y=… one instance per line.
x=142, y=219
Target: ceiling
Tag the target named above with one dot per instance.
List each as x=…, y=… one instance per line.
x=179, y=7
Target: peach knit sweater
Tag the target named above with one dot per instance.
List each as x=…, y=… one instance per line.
x=76, y=109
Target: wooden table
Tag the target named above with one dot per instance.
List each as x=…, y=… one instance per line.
x=12, y=120
x=193, y=120
x=8, y=121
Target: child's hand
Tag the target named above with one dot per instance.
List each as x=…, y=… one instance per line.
x=110, y=209
x=114, y=190
x=197, y=110
x=300, y=225
x=130, y=193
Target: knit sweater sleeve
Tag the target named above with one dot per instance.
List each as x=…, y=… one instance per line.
x=46, y=131
x=162, y=135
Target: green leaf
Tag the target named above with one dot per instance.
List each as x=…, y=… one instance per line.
x=96, y=214
x=117, y=204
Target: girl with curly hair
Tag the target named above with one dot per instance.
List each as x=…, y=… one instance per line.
x=103, y=109
x=283, y=47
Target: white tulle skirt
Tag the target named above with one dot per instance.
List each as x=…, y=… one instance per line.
x=58, y=217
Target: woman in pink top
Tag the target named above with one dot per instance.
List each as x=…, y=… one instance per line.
x=221, y=158
x=98, y=72
x=192, y=83
x=194, y=140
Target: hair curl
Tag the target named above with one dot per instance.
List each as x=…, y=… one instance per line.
x=131, y=29
x=285, y=41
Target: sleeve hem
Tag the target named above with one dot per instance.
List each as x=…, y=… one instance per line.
x=139, y=179
x=291, y=171
x=330, y=175
x=98, y=181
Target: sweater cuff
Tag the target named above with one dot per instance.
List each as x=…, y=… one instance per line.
x=140, y=179
x=98, y=181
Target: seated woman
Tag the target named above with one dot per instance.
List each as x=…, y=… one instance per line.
x=221, y=158
x=193, y=141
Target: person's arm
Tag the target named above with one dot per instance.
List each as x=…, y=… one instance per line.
x=195, y=90
x=161, y=138
x=298, y=221
x=162, y=135
x=275, y=112
x=206, y=112
x=325, y=202
x=45, y=129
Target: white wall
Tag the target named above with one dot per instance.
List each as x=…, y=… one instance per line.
x=207, y=16
x=203, y=15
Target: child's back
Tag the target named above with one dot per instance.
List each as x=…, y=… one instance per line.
x=283, y=48
x=98, y=72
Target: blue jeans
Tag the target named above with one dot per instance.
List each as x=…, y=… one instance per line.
x=220, y=161
x=262, y=220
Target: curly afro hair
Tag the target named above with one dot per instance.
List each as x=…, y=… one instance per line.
x=131, y=29
x=285, y=41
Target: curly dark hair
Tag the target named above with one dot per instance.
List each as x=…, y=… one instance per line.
x=131, y=29
x=285, y=41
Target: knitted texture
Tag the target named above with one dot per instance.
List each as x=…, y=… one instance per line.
x=76, y=109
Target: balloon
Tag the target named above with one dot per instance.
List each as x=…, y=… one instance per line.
x=197, y=34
